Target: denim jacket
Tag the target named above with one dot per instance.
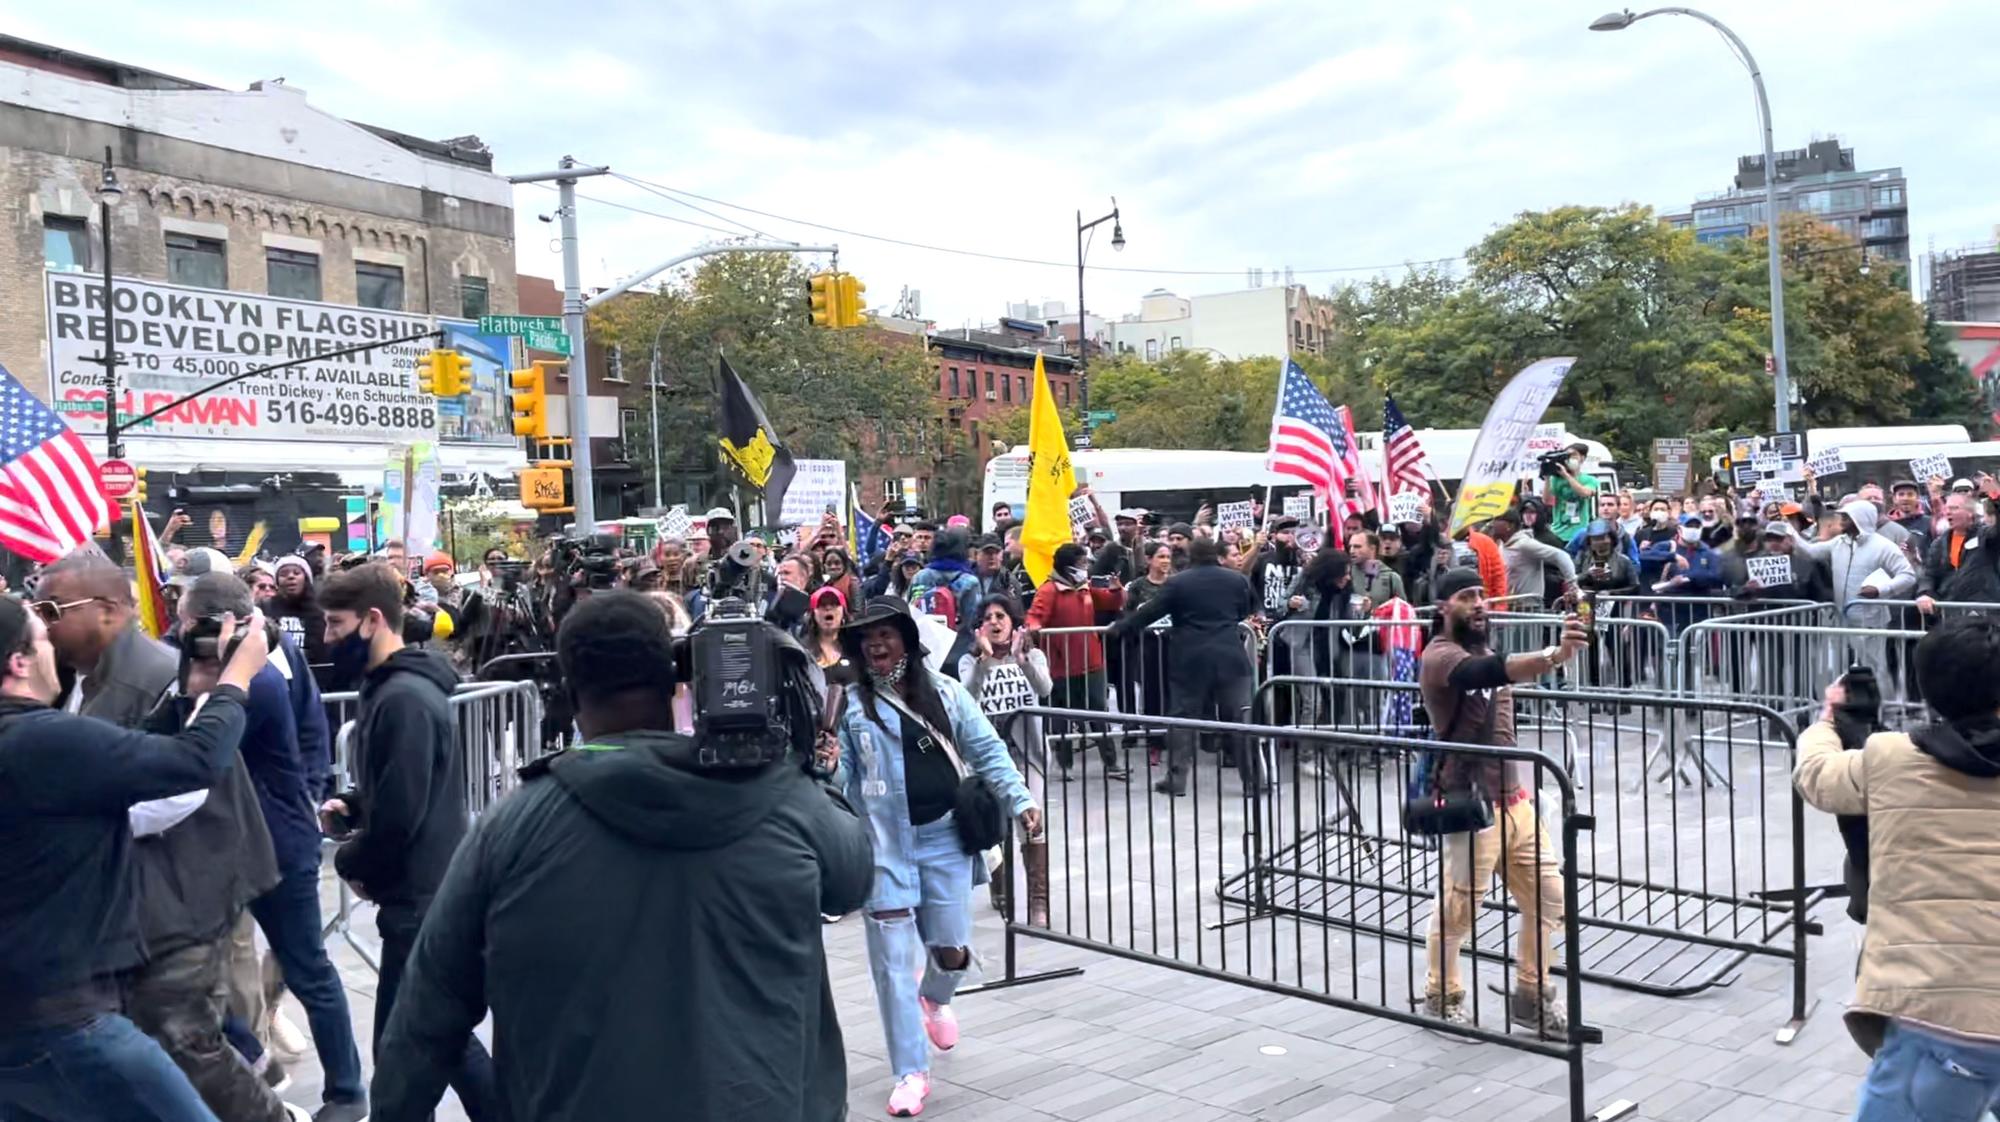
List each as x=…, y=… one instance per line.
x=871, y=767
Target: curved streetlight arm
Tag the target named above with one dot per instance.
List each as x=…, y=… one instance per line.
x=644, y=275
x=1781, y=368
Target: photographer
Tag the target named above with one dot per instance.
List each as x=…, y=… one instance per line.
x=1571, y=491
x=679, y=905
x=409, y=811
x=1927, y=999
x=69, y=925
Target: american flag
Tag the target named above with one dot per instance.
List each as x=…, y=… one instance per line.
x=51, y=498
x=1404, y=639
x=1308, y=440
x=1403, y=457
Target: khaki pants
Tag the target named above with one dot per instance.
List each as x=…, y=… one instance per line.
x=1517, y=847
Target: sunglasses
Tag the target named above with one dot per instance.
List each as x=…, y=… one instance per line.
x=52, y=612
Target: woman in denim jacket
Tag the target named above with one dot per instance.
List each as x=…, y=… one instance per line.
x=901, y=779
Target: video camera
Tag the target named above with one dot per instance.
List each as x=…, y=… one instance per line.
x=756, y=691
x=202, y=639
x=1550, y=464
x=588, y=561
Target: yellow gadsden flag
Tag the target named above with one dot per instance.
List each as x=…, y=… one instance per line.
x=1050, y=482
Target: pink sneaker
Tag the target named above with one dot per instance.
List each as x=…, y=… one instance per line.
x=906, y=1099
x=940, y=1024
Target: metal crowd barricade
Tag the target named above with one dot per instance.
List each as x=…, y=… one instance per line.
x=1235, y=882
x=1683, y=880
x=498, y=730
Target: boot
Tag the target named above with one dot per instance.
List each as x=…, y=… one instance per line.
x=996, y=889
x=1035, y=858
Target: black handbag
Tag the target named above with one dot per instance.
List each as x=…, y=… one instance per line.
x=975, y=810
x=1435, y=812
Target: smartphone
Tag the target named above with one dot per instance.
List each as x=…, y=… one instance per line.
x=1100, y=582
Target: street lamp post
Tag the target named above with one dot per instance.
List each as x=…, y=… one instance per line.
x=108, y=193
x=1781, y=381
x=653, y=393
x=1082, y=345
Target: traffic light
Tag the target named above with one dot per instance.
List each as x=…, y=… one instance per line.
x=529, y=402
x=427, y=372
x=454, y=374
x=138, y=486
x=825, y=299
x=850, y=304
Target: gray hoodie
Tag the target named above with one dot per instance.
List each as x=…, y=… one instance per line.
x=1852, y=559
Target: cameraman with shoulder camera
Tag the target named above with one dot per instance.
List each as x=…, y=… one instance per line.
x=675, y=905
x=1571, y=490
x=1927, y=1001
x=408, y=812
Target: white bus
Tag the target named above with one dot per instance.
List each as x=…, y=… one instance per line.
x=1175, y=482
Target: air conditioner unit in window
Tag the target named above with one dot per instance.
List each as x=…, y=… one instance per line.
x=991, y=396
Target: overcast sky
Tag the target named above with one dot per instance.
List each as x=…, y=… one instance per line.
x=1336, y=138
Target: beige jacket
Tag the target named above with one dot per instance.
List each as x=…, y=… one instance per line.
x=1932, y=951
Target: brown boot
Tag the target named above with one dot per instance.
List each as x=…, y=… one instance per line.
x=1035, y=857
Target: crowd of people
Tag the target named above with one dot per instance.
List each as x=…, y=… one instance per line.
x=165, y=803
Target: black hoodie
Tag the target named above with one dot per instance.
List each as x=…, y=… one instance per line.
x=636, y=923
x=1970, y=746
x=410, y=781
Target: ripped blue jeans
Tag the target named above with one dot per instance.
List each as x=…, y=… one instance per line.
x=898, y=942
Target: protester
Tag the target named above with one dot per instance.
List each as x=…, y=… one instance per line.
x=1607, y=512
x=821, y=636
x=904, y=738
x=408, y=808
x=289, y=911
x=296, y=609
x=1926, y=1000
x=1855, y=557
x=1468, y=693
x=1209, y=672
x=1529, y=557
x=947, y=586
x=1809, y=574
x=1006, y=674
x=69, y=925
x=1375, y=581
x=1963, y=564
x=724, y=1002
x=1068, y=603
x=1656, y=541
x=1323, y=641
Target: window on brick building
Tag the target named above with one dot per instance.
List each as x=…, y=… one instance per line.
x=378, y=286
x=1022, y=383
x=954, y=381
x=989, y=383
x=1063, y=388
x=472, y=297
x=291, y=274
x=1006, y=388
x=199, y=262
x=65, y=244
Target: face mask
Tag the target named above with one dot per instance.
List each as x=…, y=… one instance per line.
x=895, y=674
x=1690, y=534
x=1659, y=518
x=349, y=656
x=1076, y=575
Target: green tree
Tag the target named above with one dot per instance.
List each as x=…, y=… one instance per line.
x=824, y=390
x=1854, y=335
x=1945, y=391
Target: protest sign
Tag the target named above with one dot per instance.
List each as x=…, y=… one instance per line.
x=1767, y=463
x=675, y=523
x=1790, y=445
x=1741, y=448
x=1406, y=506
x=1081, y=512
x=1746, y=477
x=1770, y=570
x=817, y=486
x=1829, y=462
x=1299, y=507
x=1673, y=462
x=1233, y=514
x=1937, y=466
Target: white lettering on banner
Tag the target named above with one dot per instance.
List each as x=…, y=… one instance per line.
x=1406, y=506
x=1772, y=570
x=1488, y=486
x=818, y=485
x=174, y=340
x=1767, y=463
x=1237, y=515
x=1299, y=507
x=676, y=523
x=1081, y=511
x=1929, y=467
x=1829, y=462
x=1004, y=689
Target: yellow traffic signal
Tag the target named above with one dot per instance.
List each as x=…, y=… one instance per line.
x=850, y=304
x=138, y=486
x=454, y=374
x=427, y=372
x=825, y=300
x=529, y=402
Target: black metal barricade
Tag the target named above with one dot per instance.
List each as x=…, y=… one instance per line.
x=1233, y=880
x=1699, y=859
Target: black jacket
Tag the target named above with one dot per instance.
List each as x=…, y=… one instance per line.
x=637, y=924
x=1209, y=604
x=410, y=779
x=66, y=893
x=1977, y=578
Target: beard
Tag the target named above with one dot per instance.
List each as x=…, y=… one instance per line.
x=1466, y=633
